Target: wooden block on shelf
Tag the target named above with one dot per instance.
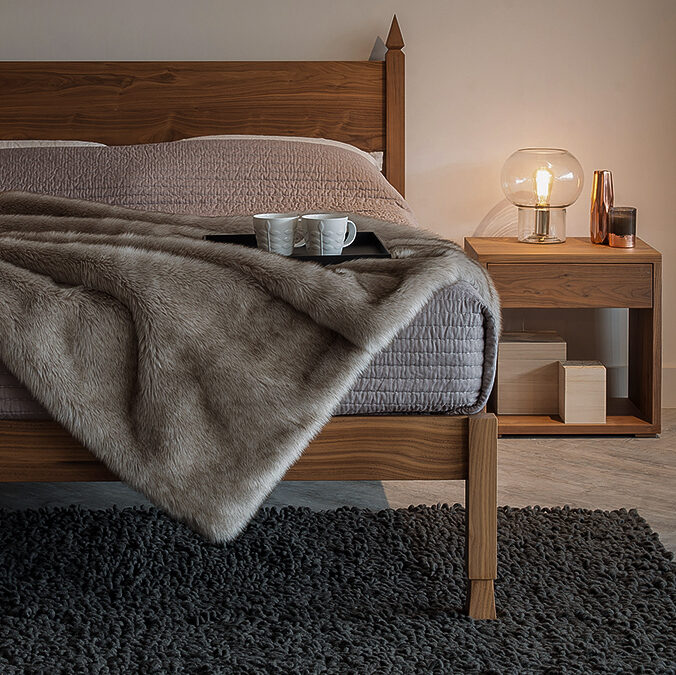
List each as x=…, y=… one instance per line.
x=527, y=373
x=582, y=392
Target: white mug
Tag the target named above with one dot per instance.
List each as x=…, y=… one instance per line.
x=327, y=233
x=275, y=232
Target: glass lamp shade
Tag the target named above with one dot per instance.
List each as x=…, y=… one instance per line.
x=542, y=182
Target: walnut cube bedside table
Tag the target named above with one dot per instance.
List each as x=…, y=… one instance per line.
x=579, y=274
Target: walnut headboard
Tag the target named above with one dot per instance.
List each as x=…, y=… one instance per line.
x=129, y=102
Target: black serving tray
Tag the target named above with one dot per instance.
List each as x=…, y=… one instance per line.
x=365, y=245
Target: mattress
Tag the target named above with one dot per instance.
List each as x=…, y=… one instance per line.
x=442, y=362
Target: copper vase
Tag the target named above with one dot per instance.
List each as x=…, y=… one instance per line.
x=602, y=198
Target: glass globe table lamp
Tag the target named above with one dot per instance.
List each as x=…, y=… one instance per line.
x=542, y=182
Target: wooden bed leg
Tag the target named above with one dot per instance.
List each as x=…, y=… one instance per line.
x=481, y=487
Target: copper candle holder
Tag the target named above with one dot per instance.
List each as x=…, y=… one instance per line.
x=622, y=227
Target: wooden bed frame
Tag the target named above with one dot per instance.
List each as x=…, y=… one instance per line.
x=358, y=102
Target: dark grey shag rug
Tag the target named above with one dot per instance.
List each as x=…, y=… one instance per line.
x=346, y=591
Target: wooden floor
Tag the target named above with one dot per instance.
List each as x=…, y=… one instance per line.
x=587, y=472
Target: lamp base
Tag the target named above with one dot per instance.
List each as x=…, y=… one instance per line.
x=542, y=226
x=541, y=239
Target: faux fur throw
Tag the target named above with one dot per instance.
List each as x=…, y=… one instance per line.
x=198, y=372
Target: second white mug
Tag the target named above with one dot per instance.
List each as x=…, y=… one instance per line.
x=327, y=233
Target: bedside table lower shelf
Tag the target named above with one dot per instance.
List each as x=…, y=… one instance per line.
x=623, y=418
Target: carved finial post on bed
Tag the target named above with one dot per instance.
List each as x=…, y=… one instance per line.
x=395, y=129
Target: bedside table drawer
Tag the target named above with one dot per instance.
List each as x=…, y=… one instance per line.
x=573, y=285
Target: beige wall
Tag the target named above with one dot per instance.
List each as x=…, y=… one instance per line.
x=484, y=77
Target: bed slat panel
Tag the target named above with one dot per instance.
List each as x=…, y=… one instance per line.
x=131, y=102
x=407, y=447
